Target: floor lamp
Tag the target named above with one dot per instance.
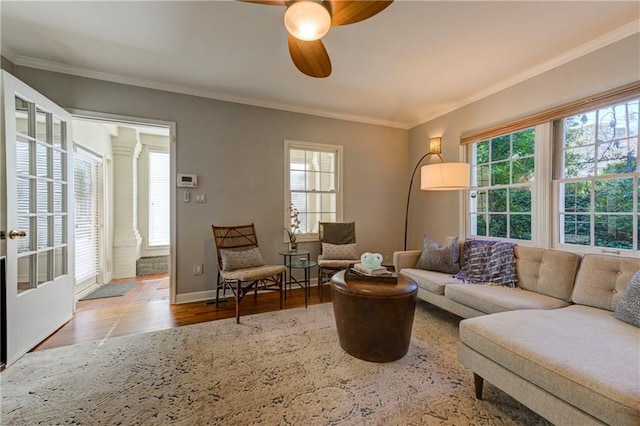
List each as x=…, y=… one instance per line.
x=437, y=177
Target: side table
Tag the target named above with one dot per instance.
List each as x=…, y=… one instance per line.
x=299, y=259
x=374, y=319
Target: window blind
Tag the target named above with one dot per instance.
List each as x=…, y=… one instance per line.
x=588, y=103
x=159, y=187
x=88, y=213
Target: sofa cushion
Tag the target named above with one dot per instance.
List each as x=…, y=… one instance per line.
x=434, y=282
x=550, y=272
x=602, y=280
x=557, y=351
x=440, y=258
x=628, y=308
x=492, y=299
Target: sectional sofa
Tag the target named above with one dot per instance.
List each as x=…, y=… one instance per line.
x=552, y=342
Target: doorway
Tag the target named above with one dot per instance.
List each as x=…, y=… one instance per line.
x=123, y=203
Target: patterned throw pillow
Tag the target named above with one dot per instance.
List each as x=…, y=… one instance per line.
x=234, y=259
x=440, y=258
x=628, y=308
x=339, y=251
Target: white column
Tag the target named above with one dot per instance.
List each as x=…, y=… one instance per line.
x=127, y=241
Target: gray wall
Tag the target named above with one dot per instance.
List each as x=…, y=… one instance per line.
x=237, y=153
x=436, y=214
x=6, y=64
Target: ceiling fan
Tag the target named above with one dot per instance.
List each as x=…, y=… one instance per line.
x=307, y=21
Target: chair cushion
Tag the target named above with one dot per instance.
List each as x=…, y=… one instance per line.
x=339, y=251
x=628, y=308
x=253, y=274
x=240, y=259
x=335, y=264
x=440, y=258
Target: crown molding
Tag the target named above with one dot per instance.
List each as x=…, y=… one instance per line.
x=46, y=65
x=10, y=54
x=427, y=115
x=591, y=46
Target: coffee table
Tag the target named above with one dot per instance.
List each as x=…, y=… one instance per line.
x=374, y=319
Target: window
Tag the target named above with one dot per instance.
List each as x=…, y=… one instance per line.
x=159, y=187
x=313, y=185
x=503, y=174
x=576, y=188
x=597, y=178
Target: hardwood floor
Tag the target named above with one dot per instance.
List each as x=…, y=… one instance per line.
x=146, y=308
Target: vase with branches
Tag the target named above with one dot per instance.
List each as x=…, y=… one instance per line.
x=294, y=227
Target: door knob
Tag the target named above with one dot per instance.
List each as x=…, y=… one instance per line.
x=13, y=234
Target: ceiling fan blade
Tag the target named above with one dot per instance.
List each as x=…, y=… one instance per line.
x=350, y=12
x=310, y=57
x=266, y=2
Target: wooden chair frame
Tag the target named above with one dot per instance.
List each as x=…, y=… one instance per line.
x=238, y=238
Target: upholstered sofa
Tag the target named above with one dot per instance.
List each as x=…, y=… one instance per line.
x=552, y=342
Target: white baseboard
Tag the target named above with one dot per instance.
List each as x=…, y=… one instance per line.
x=203, y=296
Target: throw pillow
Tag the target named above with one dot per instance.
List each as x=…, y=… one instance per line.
x=340, y=252
x=440, y=258
x=240, y=259
x=628, y=308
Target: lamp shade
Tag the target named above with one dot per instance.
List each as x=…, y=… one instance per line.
x=444, y=176
x=307, y=20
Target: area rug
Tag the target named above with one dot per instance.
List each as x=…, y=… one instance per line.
x=279, y=368
x=110, y=290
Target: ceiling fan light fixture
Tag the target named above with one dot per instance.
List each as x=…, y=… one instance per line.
x=307, y=20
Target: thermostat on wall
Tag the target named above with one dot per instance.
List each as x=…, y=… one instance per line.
x=187, y=181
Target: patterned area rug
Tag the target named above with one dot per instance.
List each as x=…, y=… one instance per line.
x=284, y=368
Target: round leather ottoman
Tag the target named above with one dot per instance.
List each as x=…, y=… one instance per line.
x=374, y=319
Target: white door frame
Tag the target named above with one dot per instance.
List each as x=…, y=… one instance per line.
x=92, y=115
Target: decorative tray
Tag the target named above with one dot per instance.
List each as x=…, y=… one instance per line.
x=351, y=275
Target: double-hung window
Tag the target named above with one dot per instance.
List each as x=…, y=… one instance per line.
x=313, y=185
x=597, y=178
x=503, y=172
x=567, y=177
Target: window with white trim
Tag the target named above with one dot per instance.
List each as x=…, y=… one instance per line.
x=503, y=174
x=597, y=178
x=576, y=188
x=159, y=187
x=313, y=182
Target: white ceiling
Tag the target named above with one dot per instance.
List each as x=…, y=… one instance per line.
x=412, y=62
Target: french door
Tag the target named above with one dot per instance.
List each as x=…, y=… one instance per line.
x=39, y=217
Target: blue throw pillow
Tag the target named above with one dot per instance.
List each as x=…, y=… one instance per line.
x=628, y=308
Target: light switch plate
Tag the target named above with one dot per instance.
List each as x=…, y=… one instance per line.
x=201, y=198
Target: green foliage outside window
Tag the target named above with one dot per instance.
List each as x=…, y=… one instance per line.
x=504, y=168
